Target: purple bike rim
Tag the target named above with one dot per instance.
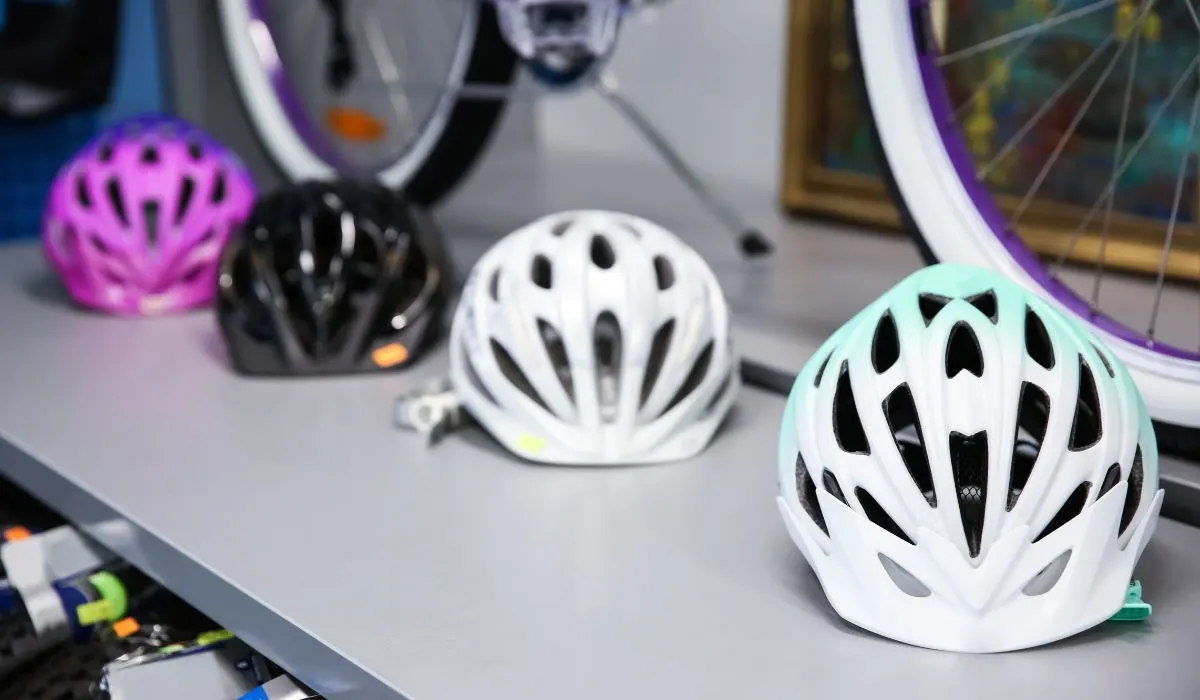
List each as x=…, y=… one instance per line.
x=964, y=165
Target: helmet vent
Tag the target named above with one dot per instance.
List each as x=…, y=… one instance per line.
x=1033, y=414
x=905, y=581
x=187, y=187
x=117, y=201
x=1085, y=431
x=149, y=155
x=885, y=348
x=847, y=426
x=963, y=351
x=986, y=303
x=476, y=382
x=832, y=486
x=1104, y=360
x=512, y=372
x=1046, y=579
x=821, y=369
x=1037, y=340
x=195, y=151
x=98, y=244
x=541, y=273
x=606, y=344
x=193, y=273
x=877, y=515
x=494, y=286
x=664, y=273
x=658, y=355
x=1133, y=495
x=603, y=255
x=560, y=227
x=930, y=305
x=694, y=378
x=218, y=192
x=150, y=219
x=557, y=352
x=81, y=192
x=969, y=464
x=1070, y=508
x=1111, y=477
x=806, y=491
x=721, y=392
x=901, y=412
x=105, y=153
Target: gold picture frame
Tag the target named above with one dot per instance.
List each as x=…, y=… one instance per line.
x=819, y=60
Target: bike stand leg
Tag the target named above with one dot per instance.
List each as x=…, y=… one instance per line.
x=753, y=243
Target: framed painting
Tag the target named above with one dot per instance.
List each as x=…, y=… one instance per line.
x=1014, y=125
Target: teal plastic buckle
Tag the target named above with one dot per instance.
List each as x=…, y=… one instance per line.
x=1134, y=609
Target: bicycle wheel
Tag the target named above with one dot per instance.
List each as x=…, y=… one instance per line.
x=951, y=171
x=368, y=88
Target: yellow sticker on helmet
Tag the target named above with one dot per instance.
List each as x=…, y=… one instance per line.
x=530, y=444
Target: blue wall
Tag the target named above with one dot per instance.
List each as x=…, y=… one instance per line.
x=31, y=153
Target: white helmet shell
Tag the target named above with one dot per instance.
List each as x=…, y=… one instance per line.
x=967, y=469
x=592, y=337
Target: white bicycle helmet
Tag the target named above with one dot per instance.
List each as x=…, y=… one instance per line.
x=592, y=337
x=967, y=469
x=534, y=28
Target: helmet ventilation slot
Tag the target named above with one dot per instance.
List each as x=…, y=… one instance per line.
x=105, y=152
x=1033, y=414
x=1111, y=477
x=905, y=581
x=81, y=192
x=607, y=348
x=218, y=191
x=1047, y=578
x=969, y=465
x=541, y=273
x=1133, y=495
x=930, y=305
x=1085, y=431
x=877, y=515
x=100, y=246
x=476, y=382
x=116, y=200
x=187, y=187
x=833, y=487
x=847, y=426
x=821, y=369
x=1104, y=360
x=494, y=286
x=150, y=220
x=986, y=303
x=694, y=377
x=561, y=226
x=603, y=255
x=1037, y=340
x=720, y=393
x=664, y=273
x=1070, y=508
x=658, y=355
x=194, y=149
x=193, y=273
x=901, y=412
x=963, y=351
x=149, y=155
x=512, y=372
x=557, y=353
x=806, y=491
x=885, y=347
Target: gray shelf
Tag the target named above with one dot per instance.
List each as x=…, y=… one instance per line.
x=375, y=568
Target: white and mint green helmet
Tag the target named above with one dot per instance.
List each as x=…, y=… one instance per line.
x=967, y=469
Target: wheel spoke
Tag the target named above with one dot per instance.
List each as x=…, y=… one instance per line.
x=1110, y=200
x=1070, y=132
x=1016, y=34
x=1111, y=186
x=1179, y=178
x=1044, y=109
x=390, y=72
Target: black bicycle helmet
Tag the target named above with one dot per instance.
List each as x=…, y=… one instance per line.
x=332, y=277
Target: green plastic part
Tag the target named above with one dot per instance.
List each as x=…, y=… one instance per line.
x=1135, y=608
x=112, y=591
x=214, y=637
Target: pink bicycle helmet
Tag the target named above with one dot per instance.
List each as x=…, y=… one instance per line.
x=136, y=221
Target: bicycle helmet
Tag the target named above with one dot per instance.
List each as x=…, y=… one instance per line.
x=332, y=277
x=136, y=220
x=561, y=40
x=966, y=468
x=592, y=337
